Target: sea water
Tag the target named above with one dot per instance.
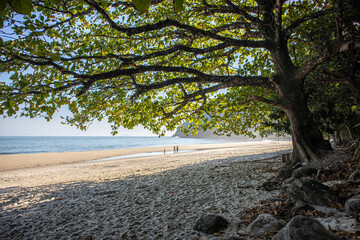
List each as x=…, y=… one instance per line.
x=22, y=145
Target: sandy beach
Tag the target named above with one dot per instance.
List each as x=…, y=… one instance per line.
x=59, y=196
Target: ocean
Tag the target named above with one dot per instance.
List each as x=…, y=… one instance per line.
x=23, y=145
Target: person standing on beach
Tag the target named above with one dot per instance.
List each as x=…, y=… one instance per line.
x=177, y=149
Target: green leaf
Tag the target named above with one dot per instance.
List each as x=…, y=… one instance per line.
x=12, y=103
x=3, y=5
x=22, y=6
x=55, y=57
x=141, y=5
x=179, y=5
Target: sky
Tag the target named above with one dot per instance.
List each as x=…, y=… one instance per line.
x=22, y=126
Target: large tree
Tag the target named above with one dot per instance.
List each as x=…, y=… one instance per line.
x=236, y=61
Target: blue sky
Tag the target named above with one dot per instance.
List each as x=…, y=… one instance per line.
x=22, y=126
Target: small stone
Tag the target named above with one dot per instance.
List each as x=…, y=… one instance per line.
x=301, y=206
x=286, y=184
x=355, y=175
x=265, y=223
x=211, y=224
x=232, y=238
x=304, y=172
x=352, y=204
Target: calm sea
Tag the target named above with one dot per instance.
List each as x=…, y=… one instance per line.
x=21, y=145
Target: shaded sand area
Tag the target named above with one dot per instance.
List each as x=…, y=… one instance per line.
x=155, y=197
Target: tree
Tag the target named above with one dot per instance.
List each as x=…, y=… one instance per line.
x=236, y=61
x=335, y=105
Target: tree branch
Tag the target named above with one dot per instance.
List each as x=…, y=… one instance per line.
x=221, y=81
x=278, y=21
x=260, y=99
x=288, y=30
x=242, y=12
x=45, y=62
x=73, y=16
x=335, y=48
x=173, y=23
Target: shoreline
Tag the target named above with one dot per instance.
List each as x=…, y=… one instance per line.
x=36, y=160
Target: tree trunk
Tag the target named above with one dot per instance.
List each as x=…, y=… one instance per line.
x=306, y=137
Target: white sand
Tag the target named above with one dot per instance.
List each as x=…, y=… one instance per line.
x=159, y=197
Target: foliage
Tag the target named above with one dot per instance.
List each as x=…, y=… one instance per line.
x=19, y=6
x=113, y=60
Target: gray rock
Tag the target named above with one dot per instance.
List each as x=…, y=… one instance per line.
x=233, y=238
x=287, y=184
x=355, y=175
x=304, y=172
x=352, y=204
x=340, y=223
x=311, y=192
x=301, y=227
x=299, y=206
x=286, y=171
x=211, y=224
x=265, y=223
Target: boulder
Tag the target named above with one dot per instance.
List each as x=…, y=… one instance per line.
x=265, y=223
x=304, y=172
x=311, y=192
x=301, y=227
x=211, y=224
x=286, y=171
x=355, y=176
x=352, y=205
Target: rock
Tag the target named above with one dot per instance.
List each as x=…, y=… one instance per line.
x=233, y=238
x=336, y=184
x=286, y=172
x=211, y=224
x=311, y=192
x=352, y=205
x=270, y=185
x=265, y=223
x=301, y=227
x=355, y=175
x=299, y=206
x=304, y=172
x=287, y=184
x=340, y=223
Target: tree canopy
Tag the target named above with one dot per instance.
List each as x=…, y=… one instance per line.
x=161, y=62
